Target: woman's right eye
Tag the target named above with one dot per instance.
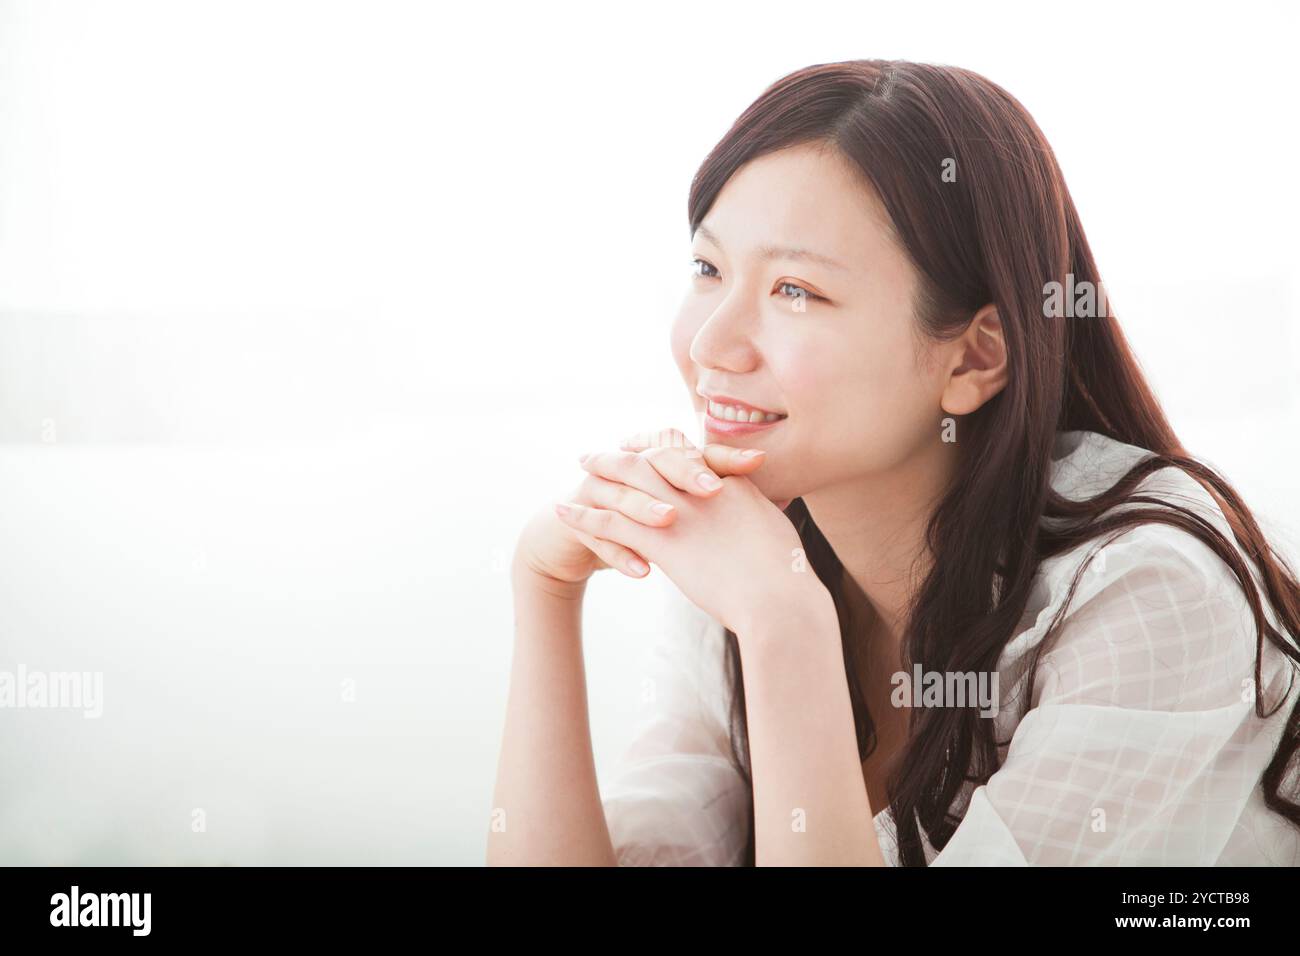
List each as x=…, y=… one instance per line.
x=702, y=268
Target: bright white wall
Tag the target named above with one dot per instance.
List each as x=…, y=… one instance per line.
x=304, y=307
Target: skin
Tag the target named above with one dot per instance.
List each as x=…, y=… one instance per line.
x=837, y=349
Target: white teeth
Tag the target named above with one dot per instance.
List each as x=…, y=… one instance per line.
x=731, y=413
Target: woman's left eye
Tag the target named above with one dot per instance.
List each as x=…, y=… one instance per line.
x=790, y=290
x=799, y=291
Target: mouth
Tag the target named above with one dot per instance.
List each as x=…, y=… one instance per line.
x=724, y=415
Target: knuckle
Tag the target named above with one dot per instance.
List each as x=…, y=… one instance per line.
x=622, y=497
x=645, y=468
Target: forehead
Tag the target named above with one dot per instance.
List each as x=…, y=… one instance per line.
x=801, y=196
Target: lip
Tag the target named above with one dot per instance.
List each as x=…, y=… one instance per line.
x=720, y=426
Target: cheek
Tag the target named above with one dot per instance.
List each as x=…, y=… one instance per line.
x=801, y=374
x=867, y=397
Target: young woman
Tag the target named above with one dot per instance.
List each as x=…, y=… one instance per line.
x=930, y=463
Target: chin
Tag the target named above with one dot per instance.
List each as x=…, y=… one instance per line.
x=773, y=487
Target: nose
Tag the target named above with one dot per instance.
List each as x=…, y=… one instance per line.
x=725, y=340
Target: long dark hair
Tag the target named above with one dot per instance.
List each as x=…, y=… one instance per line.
x=997, y=234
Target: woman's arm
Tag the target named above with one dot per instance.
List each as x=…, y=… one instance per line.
x=810, y=801
x=732, y=557
x=546, y=806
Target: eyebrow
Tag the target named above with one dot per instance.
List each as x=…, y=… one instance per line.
x=779, y=252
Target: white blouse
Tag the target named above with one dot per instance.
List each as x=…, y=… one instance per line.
x=1141, y=746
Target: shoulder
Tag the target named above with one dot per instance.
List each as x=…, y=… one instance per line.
x=1149, y=617
x=1157, y=621
x=1086, y=464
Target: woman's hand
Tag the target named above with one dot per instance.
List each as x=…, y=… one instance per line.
x=556, y=550
x=730, y=550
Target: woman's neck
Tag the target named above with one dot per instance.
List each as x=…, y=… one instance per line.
x=876, y=527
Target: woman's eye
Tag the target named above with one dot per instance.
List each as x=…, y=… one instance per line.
x=703, y=268
x=799, y=291
x=790, y=290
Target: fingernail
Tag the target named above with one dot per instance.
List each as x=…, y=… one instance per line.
x=583, y=458
x=661, y=508
x=708, y=481
x=562, y=510
x=637, y=566
x=752, y=453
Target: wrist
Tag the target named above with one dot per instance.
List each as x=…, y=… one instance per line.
x=525, y=580
x=791, y=615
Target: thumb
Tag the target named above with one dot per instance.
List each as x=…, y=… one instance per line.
x=727, y=460
x=723, y=459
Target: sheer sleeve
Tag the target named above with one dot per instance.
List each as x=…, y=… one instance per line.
x=1142, y=745
x=674, y=797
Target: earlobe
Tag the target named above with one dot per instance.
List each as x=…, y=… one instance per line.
x=979, y=364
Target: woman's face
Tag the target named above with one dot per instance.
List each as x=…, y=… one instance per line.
x=802, y=305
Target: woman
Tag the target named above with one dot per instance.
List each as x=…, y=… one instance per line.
x=910, y=385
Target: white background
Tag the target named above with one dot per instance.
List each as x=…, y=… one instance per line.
x=304, y=308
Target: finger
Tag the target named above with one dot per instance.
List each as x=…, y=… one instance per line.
x=726, y=460
x=604, y=524
x=628, y=468
x=633, y=502
x=681, y=468
x=615, y=555
x=721, y=459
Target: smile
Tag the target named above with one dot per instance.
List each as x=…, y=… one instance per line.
x=735, y=419
x=741, y=413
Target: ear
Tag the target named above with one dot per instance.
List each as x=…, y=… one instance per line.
x=977, y=364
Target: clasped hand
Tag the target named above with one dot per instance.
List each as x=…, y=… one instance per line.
x=729, y=549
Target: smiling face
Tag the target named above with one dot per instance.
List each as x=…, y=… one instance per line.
x=802, y=305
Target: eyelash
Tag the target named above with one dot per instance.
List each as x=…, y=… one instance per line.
x=808, y=294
